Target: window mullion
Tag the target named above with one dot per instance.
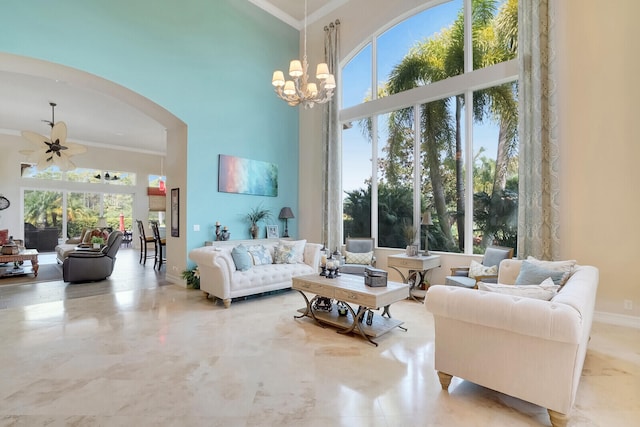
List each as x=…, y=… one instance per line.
x=417, y=172
x=468, y=177
x=374, y=178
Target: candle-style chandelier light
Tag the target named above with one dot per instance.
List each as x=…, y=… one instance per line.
x=300, y=90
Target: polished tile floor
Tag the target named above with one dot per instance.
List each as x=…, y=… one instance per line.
x=138, y=351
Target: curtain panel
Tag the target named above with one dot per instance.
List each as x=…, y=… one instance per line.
x=538, y=214
x=331, y=149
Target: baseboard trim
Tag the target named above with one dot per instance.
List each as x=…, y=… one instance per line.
x=617, y=319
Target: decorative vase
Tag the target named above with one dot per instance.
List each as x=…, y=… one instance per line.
x=412, y=250
x=254, y=231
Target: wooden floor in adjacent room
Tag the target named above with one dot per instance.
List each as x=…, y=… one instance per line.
x=136, y=350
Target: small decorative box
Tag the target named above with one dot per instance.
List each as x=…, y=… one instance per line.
x=375, y=277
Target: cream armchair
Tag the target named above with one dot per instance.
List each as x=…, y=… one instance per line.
x=358, y=254
x=493, y=255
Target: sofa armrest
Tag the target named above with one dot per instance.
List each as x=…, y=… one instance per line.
x=216, y=269
x=520, y=315
x=460, y=271
x=312, y=255
x=86, y=254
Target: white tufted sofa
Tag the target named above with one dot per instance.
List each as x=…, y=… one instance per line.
x=220, y=279
x=524, y=347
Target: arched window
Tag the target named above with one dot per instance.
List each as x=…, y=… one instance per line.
x=429, y=117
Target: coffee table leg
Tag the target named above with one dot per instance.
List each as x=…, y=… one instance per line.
x=388, y=313
x=308, y=311
x=35, y=266
x=355, y=325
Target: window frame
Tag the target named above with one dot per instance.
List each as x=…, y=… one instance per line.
x=467, y=83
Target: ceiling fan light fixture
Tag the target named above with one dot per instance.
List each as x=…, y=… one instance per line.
x=53, y=150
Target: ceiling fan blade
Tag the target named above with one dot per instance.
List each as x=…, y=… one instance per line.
x=63, y=162
x=73, y=149
x=59, y=132
x=35, y=138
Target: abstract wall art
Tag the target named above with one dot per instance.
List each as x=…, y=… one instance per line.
x=246, y=176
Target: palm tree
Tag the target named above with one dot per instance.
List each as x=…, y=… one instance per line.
x=440, y=57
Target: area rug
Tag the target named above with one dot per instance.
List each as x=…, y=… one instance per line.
x=46, y=273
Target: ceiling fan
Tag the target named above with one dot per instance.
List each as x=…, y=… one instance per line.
x=54, y=150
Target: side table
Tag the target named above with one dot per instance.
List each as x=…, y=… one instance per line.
x=417, y=266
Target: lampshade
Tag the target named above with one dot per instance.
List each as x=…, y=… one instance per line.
x=286, y=213
x=426, y=218
x=278, y=79
x=295, y=68
x=289, y=88
x=312, y=89
x=322, y=71
x=330, y=83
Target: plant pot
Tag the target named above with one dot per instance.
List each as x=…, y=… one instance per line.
x=96, y=246
x=254, y=231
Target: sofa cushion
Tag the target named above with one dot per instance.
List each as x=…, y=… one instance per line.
x=477, y=269
x=532, y=274
x=544, y=291
x=358, y=258
x=260, y=255
x=241, y=258
x=566, y=267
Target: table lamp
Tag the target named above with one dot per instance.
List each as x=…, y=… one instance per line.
x=286, y=213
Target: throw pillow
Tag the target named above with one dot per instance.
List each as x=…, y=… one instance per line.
x=358, y=257
x=544, y=291
x=241, y=258
x=4, y=236
x=260, y=255
x=532, y=274
x=477, y=269
x=565, y=266
x=298, y=246
x=284, y=254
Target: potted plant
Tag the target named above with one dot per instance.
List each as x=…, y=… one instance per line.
x=97, y=242
x=256, y=215
x=411, y=234
x=192, y=278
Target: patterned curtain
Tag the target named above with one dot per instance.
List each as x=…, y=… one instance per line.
x=538, y=216
x=331, y=150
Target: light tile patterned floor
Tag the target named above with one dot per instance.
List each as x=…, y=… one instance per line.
x=139, y=351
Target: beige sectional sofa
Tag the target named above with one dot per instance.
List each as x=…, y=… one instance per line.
x=528, y=348
x=221, y=278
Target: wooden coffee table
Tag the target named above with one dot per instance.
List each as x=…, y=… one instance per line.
x=24, y=255
x=350, y=289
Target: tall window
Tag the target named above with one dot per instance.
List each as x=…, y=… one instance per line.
x=444, y=160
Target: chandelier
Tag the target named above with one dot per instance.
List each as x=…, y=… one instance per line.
x=300, y=90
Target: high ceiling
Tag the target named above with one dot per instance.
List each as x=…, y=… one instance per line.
x=95, y=118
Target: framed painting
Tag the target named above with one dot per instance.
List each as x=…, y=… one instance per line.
x=272, y=232
x=175, y=212
x=246, y=176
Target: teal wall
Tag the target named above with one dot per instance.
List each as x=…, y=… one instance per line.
x=207, y=62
